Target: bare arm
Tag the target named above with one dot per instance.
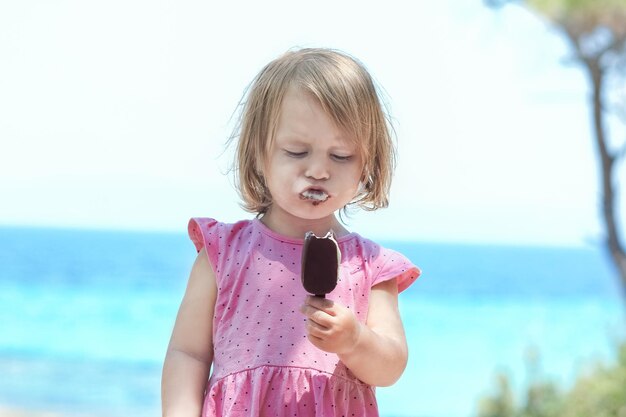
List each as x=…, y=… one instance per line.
x=190, y=352
x=376, y=352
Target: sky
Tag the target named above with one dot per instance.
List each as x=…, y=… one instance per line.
x=115, y=114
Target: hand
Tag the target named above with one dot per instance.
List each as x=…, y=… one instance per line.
x=330, y=326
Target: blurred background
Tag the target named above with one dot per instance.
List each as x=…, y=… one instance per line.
x=510, y=119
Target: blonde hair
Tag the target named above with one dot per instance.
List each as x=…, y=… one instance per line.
x=345, y=91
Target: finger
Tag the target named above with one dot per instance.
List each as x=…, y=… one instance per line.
x=317, y=341
x=307, y=310
x=320, y=317
x=315, y=329
x=319, y=303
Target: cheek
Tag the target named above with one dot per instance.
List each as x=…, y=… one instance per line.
x=280, y=173
x=352, y=183
x=358, y=173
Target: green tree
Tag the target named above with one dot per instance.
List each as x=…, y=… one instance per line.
x=596, y=32
x=599, y=392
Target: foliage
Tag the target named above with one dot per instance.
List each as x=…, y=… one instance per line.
x=604, y=20
x=582, y=19
x=599, y=11
x=596, y=32
x=599, y=393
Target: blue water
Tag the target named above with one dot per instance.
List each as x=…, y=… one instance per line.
x=85, y=317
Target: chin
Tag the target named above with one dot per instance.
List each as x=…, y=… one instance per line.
x=315, y=212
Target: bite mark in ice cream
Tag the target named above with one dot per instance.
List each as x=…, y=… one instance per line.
x=320, y=263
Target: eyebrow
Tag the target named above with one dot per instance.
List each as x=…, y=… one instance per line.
x=302, y=139
x=292, y=139
x=288, y=140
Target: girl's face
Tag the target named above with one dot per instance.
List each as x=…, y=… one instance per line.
x=312, y=168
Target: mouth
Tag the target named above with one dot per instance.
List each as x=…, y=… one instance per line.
x=314, y=195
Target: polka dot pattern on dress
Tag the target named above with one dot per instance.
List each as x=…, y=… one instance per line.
x=259, y=334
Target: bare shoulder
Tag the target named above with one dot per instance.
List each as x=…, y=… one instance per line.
x=202, y=277
x=193, y=327
x=201, y=264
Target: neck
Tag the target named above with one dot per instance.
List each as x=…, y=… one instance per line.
x=294, y=227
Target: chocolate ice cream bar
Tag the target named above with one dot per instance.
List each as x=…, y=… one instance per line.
x=320, y=263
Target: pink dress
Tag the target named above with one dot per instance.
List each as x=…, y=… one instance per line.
x=263, y=363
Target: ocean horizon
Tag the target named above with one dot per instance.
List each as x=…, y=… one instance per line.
x=87, y=314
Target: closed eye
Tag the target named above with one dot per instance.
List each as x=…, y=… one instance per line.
x=341, y=158
x=295, y=154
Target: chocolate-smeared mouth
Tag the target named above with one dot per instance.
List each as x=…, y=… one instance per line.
x=316, y=196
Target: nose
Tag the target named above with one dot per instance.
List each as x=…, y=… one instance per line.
x=317, y=168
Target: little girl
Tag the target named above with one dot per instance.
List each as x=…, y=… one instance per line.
x=313, y=140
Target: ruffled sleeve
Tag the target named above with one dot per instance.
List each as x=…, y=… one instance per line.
x=395, y=265
x=203, y=233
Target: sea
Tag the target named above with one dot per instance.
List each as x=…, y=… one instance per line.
x=85, y=319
